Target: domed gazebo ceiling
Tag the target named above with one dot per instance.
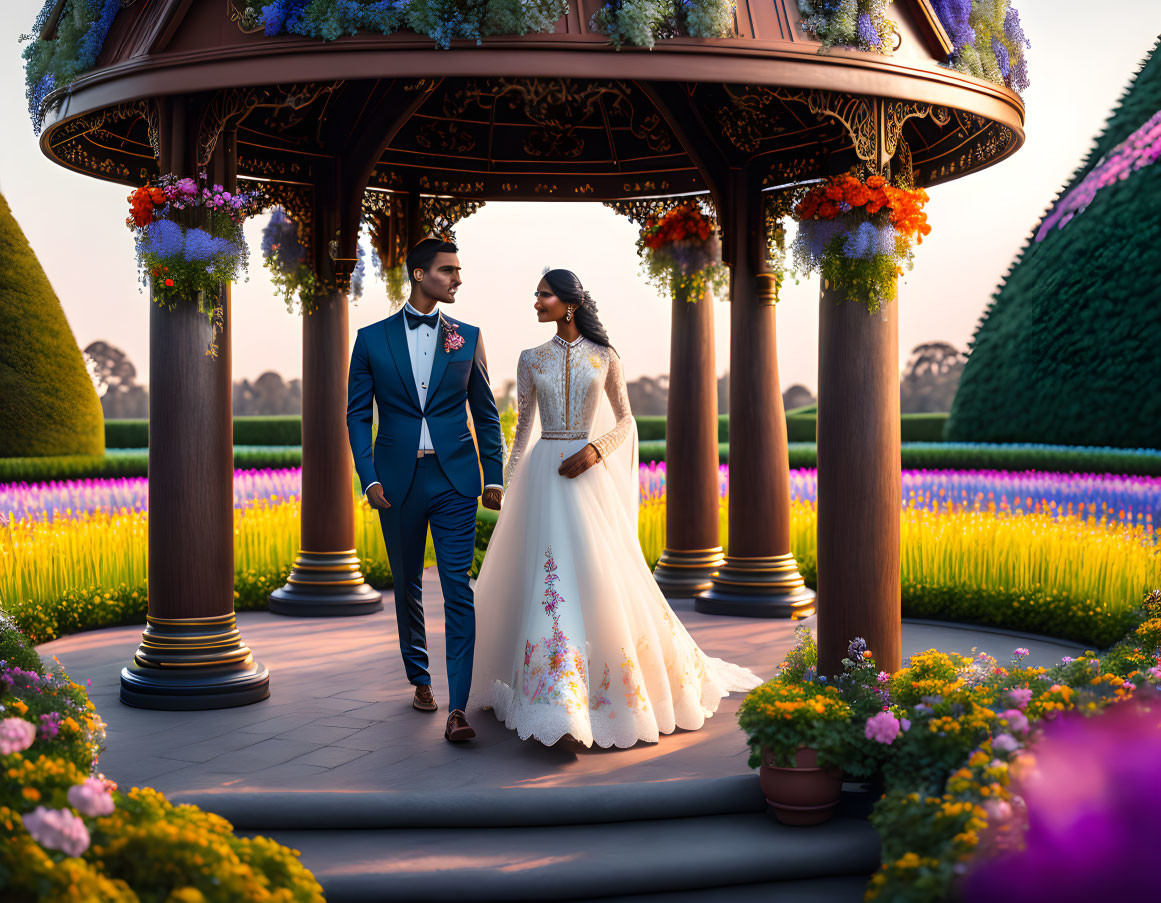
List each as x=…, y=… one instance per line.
x=524, y=117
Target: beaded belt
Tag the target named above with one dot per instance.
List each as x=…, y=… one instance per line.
x=564, y=434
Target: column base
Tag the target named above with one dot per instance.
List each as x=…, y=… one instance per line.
x=681, y=574
x=193, y=663
x=325, y=585
x=766, y=587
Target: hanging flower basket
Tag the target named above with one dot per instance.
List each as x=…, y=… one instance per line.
x=189, y=242
x=285, y=257
x=682, y=254
x=859, y=235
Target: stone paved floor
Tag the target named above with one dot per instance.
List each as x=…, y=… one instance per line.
x=339, y=716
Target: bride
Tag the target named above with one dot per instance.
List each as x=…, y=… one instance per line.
x=573, y=635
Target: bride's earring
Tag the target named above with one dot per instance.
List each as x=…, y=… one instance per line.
x=568, y=315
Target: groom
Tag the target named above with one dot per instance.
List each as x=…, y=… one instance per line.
x=424, y=369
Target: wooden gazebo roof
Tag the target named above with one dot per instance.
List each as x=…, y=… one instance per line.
x=561, y=115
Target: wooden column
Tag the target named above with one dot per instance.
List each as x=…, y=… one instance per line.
x=191, y=654
x=693, y=551
x=325, y=580
x=859, y=481
x=759, y=577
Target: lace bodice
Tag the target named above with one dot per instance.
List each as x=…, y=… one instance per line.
x=563, y=381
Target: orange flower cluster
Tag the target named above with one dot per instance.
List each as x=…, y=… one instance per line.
x=679, y=224
x=141, y=205
x=905, y=207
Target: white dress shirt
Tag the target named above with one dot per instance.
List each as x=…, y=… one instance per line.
x=421, y=345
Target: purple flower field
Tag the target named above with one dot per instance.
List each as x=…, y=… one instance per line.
x=1116, y=498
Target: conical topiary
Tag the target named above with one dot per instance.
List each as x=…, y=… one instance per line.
x=48, y=405
x=1069, y=350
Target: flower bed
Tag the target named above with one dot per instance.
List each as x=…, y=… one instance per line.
x=949, y=737
x=71, y=834
x=73, y=556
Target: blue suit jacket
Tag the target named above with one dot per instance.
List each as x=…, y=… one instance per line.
x=381, y=371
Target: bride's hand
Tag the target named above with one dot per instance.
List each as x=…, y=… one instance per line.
x=577, y=464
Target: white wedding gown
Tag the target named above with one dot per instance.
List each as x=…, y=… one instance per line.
x=572, y=634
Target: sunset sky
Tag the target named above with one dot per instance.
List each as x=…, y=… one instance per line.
x=1079, y=66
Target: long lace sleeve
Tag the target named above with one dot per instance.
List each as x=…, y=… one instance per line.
x=619, y=399
x=525, y=411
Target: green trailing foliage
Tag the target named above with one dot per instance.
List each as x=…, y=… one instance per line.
x=48, y=405
x=1067, y=351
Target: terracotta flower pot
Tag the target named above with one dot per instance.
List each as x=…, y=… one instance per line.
x=800, y=795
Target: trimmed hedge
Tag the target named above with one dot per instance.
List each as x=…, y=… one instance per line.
x=802, y=426
x=1067, y=350
x=280, y=430
x=915, y=456
x=48, y=405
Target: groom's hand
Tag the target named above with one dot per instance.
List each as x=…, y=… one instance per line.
x=376, y=497
x=577, y=464
x=493, y=498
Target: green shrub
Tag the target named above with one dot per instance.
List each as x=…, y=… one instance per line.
x=281, y=430
x=802, y=427
x=650, y=428
x=1067, y=349
x=15, y=648
x=126, y=434
x=48, y=405
x=923, y=427
x=145, y=848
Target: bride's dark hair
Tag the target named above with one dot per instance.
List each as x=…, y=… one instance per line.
x=567, y=287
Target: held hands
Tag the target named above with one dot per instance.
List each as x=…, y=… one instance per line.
x=376, y=497
x=493, y=498
x=577, y=464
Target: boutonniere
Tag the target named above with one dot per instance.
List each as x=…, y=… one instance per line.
x=452, y=340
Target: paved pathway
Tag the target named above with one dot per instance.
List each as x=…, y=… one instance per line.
x=339, y=716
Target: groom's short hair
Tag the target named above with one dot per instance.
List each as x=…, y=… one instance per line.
x=421, y=256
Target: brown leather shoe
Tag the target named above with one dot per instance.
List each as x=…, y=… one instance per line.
x=424, y=700
x=458, y=729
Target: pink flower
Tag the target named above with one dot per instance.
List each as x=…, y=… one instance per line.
x=883, y=727
x=1020, y=697
x=1016, y=719
x=91, y=798
x=57, y=829
x=998, y=810
x=452, y=340
x=1005, y=743
x=16, y=735
x=1020, y=652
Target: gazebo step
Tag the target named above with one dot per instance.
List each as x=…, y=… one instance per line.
x=677, y=859
x=258, y=810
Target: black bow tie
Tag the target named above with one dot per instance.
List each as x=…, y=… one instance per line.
x=414, y=321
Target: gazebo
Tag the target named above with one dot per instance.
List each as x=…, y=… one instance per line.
x=391, y=131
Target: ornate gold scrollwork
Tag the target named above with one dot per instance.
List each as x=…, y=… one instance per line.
x=239, y=17
x=68, y=138
x=295, y=199
x=232, y=105
x=874, y=123
x=440, y=215
x=744, y=121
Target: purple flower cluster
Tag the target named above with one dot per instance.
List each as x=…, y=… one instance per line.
x=1140, y=149
x=280, y=237
x=1092, y=801
x=865, y=29
x=1115, y=498
x=869, y=241
x=89, y=47
x=954, y=15
x=36, y=95
x=1014, y=32
x=283, y=15
x=66, y=498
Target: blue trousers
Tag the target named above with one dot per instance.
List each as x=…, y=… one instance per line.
x=433, y=501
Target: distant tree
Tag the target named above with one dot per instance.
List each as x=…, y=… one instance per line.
x=268, y=395
x=123, y=397
x=649, y=396
x=724, y=394
x=797, y=396
x=930, y=378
